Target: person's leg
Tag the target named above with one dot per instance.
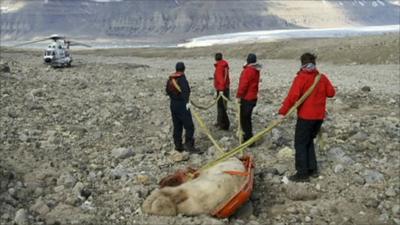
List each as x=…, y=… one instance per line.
x=246, y=110
x=189, y=131
x=301, y=143
x=224, y=122
x=178, y=128
x=312, y=159
x=220, y=110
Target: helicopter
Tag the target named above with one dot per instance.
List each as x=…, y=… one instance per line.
x=57, y=53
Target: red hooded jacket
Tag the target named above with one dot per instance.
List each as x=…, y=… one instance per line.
x=248, y=82
x=314, y=106
x=221, y=75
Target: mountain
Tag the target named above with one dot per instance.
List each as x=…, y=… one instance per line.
x=177, y=20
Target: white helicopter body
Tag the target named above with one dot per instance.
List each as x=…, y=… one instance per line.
x=57, y=53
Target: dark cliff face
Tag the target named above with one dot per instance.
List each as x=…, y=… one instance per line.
x=157, y=19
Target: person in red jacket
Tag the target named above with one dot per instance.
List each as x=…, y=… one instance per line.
x=247, y=94
x=221, y=85
x=310, y=115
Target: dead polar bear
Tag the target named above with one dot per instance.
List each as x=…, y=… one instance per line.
x=198, y=196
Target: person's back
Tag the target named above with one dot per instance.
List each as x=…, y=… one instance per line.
x=314, y=106
x=221, y=85
x=178, y=90
x=310, y=115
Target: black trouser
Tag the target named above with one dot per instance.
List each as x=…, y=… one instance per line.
x=246, y=110
x=222, y=115
x=181, y=118
x=306, y=131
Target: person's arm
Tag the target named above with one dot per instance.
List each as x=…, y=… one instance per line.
x=219, y=78
x=185, y=88
x=293, y=95
x=244, y=82
x=330, y=90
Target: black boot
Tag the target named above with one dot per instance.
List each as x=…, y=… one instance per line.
x=179, y=148
x=313, y=173
x=189, y=146
x=299, y=178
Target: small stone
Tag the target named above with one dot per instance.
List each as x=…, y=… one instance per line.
x=40, y=207
x=307, y=219
x=384, y=217
x=122, y=153
x=178, y=156
x=336, y=153
x=372, y=176
x=253, y=222
x=78, y=188
x=366, y=89
x=5, y=68
x=314, y=211
x=396, y=210
x=21, y=217
x=59, y=188
x=285, y=153
x=292, y=210
x=85, y=193
x=67, y=180
x=359, y=180
x=281, y=168
x=338, y=168
x=360, y=136
x=142, y=179
x=12, y=191
x=390, y=192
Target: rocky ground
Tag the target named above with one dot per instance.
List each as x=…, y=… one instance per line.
x=87, y=144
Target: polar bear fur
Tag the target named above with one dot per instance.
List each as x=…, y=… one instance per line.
x=201, y=195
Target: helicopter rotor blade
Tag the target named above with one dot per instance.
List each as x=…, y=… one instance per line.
x=31, y=42
x=75, y=43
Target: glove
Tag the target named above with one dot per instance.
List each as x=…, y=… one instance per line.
x=216, y=95
x=188, y=106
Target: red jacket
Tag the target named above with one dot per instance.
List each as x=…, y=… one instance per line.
x=221, y=75
x=248, y=83
x=314, y=106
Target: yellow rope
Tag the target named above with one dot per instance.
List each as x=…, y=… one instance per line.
x=260, y=134
x=207, y=106
x=206, y=131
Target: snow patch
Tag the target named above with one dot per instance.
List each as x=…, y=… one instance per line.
x=273, y=35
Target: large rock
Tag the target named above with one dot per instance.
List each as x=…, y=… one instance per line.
x=300, y=192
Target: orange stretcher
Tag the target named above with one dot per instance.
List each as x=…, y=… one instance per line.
x=228, y=208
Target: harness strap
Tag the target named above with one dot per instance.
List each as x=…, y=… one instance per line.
x=237, y=173
x=173, y=80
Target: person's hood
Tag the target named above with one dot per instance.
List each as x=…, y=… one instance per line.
x=177, y=74
x=312, y=72
x=253, y=65
x=221, y=62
